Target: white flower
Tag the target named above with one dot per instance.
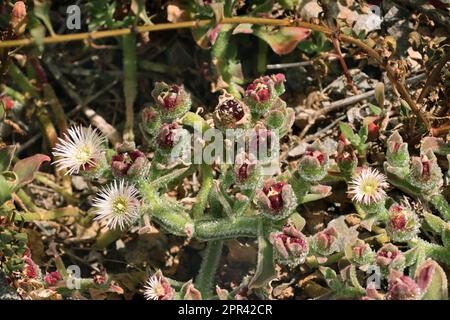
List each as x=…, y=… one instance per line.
x=81, y=149
x=368, y=187
x=158, y=288
x=118, y=204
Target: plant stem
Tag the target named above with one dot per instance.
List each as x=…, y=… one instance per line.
x=205, y=278
x=56, y=187
x=203, y=194
x=441, y=204
x=129, y=83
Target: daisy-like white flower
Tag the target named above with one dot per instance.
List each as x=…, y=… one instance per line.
x=368, y=187
x=158, y=288
x=81, y=149
x=118, y=204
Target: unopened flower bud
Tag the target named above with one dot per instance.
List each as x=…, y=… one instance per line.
x=231, y=113
x=6, y=103
x=128, y=164
x=359, y=253
x=173, y=100
x=262, y=92
x=191, y=293
x=403, y=224
x=325, y=242
x=425, y=172
x=276, y=200
x=397, y=151
x=373, y=131
x=402, y=287
x=246, y=170
x=172, y=137
x=346, y=158
x=151, y=120
x=280, y=119
x=52, y=278
x=313, y=166
x=290, y=245
x=390, y=257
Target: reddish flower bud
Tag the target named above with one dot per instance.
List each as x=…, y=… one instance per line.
x=402, y=287
x=397, y=151
x=128, y=164
x=151, y=120
x=390, y=257
x=6, y=102
x=173, y=100
x=403, y=224
x=52, y=278
x=359, y=253
x=373, y=131
x=31, y=269
x=313, y=166
x=262, y=92
x=263, y=143
x=191, y=293
x=425, y=172
x=290, y=245
x=325, y=242
x=246, y=170
x=166, y=136
x=346, y=158
x=276, y=199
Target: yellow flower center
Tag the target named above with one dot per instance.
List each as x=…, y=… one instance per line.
x=120, y=206
x=369, y=187
x=84, y=155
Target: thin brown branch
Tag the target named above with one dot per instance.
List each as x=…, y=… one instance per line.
x=433, y=77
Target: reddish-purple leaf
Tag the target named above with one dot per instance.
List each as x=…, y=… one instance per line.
x=26, y=168
x=283, y=40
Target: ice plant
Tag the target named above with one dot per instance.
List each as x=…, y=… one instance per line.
x=402, y=287
x=313, y=165
x=158, y=288
x=128, y=164
x=359, y=253
x=291, y=246
x=390, y=257
x=151, y=120
x=172, y=100
x=276, y=199
x=403, y=224
x=81, y=150
x=246, y=170
x=117, y=204
x=231, y=113
x=368, y=189
x=346, y=159
x=325, y=242
x=262, y=92
x=52, y=278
